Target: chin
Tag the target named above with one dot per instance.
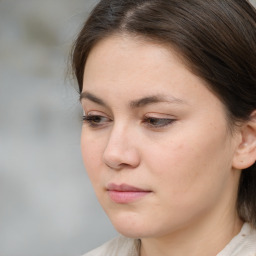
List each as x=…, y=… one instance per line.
x=134, y=225
x=130, y=231
x=129, y=224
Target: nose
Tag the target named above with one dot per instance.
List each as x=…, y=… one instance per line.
x=121, y=150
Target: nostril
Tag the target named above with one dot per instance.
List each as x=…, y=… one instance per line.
x=117, y=158
x=113, y=166
x=112, y=158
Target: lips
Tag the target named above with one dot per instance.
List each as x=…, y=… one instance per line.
x=123, y=194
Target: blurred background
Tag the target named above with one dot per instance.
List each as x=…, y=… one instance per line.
x=47, y=205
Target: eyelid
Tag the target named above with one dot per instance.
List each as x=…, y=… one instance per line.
x=160, y=115
x=158, y=121
x=95, y=113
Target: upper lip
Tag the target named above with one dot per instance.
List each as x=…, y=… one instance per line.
x=124, y=188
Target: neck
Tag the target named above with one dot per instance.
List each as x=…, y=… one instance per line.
x=201, y=238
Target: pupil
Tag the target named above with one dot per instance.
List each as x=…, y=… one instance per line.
x=153, y=121
x=96, y=119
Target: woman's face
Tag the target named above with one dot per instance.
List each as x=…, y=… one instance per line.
x=155, y=141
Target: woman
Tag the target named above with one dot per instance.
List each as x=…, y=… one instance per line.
x=168, y=89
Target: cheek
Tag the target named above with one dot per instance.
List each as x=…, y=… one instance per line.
x=91, y=154
x=189, y=177
x=190, y=161
x=173, y=164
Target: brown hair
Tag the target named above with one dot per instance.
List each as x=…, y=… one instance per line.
x=217, y=40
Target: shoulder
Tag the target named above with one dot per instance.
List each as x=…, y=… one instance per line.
x=242, y=244
x=119, y=246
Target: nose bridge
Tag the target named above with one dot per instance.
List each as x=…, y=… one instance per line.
x=121, y=148
x=118, y=134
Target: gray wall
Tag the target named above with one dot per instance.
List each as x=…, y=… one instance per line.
x=47, y=204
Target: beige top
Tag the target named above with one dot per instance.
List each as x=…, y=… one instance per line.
x=243, y=244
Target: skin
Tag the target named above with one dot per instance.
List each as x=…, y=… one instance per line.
x=184, y=155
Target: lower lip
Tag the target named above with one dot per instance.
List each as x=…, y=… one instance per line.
x=124, y=197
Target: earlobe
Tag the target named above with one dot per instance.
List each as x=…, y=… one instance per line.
x=245, y=155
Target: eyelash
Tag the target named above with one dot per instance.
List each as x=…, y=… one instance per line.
x=96, y=121
x=154, y=122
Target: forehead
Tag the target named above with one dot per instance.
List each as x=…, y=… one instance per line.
x=129, y=61
x=123, y=65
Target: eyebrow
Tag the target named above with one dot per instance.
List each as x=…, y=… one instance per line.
x=93, y=98
x=159, y=98
x=154, y=99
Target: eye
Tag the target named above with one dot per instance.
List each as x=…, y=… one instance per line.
x=154, y=122
x=96, y=120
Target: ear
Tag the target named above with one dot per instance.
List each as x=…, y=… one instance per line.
x=245, y=154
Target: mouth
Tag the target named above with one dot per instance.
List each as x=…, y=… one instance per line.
x=124, y=194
